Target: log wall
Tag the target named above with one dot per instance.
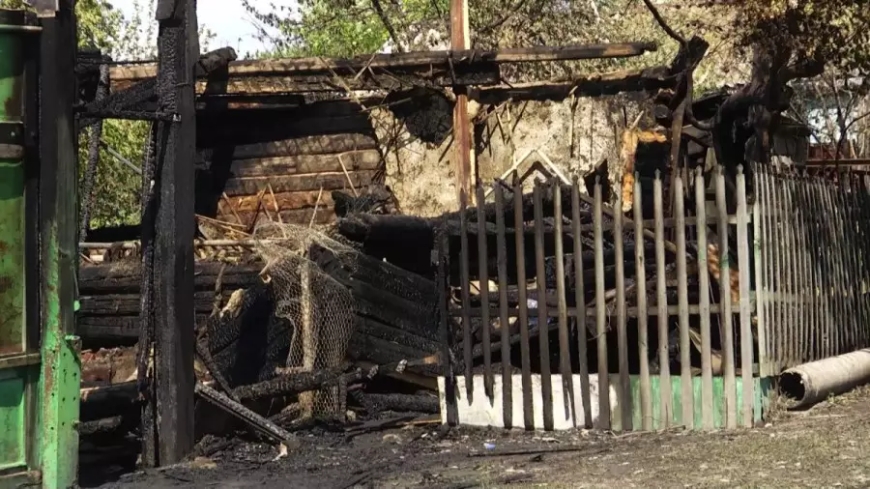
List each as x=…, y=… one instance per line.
x=282, y=164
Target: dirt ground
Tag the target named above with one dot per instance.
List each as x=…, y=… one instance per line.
x=826, y=446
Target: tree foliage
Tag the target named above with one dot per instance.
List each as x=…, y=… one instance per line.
x=356, y=27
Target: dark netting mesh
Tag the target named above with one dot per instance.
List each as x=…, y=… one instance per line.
x=320, y=308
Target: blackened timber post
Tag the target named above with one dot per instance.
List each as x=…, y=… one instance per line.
x=178, y=52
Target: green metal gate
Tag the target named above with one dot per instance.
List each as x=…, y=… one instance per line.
x=19, y=354
x=39, y=362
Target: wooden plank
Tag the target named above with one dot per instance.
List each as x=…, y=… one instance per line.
x=306, y=145
x=306, y=164
x=297, y=183
x=525, y=354
x=687, y=412
x=564, y=340
x=725, y=314
x=483, y=274
x=580, y=315
x=458, y=57
x=624, y=388
x=646, y=406
x=443, y=277
x=746, y=345
x=543, y=317
x=600, y=318
x=466, y=295
x=462, y=135
x=504, y=330
x=704, y=304
x=667, y=409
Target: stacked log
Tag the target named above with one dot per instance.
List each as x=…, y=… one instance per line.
x=283, y=164
x=110, y=298
x=394, y=310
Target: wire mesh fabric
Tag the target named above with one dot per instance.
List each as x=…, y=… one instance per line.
x=319, y=308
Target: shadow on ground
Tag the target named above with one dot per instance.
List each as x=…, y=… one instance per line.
x=826, y=446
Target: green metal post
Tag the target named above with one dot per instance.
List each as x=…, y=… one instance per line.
x=58, y=229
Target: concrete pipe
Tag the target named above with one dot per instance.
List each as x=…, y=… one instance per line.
x=813, y=382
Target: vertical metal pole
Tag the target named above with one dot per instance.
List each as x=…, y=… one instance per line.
x=459, y=40
x=58, y=230
x=178, y=52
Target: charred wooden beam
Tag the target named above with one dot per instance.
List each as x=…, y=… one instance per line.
x=444, y=68
x=173, y=274
x=649, y=79
x=137, y=95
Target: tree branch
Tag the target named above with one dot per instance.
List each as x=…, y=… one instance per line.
x=663, y=24
x=379, y=9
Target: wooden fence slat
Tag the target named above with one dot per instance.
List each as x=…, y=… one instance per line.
x=781, y=265
x=830, y=227
x=815, y=271
x=464, y=280
x=854, y=221
x=564, y=339
x=832, y=271
x=483, y=280
x=848, y=223
x=745, y=313
x=687, y=414
x=770, y=311
x=800, y=243
x=789, y=257
x=862, y=221
x=646, y=407
x=840, y=282
x=726, y=328
x=667, y=408
x=525, y=353
x=808, y=275
x=580, y=299
x=543, y=317
x=813, y=267
x=704, y=296
x=601, y=326
x=786, y=250
x=504, y=325
x=443, y=272
x=625, y=402
x=821, y=258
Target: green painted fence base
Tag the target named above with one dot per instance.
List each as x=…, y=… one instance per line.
x=762, y=388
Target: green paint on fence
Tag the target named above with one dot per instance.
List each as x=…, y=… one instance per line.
x=761, y=389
